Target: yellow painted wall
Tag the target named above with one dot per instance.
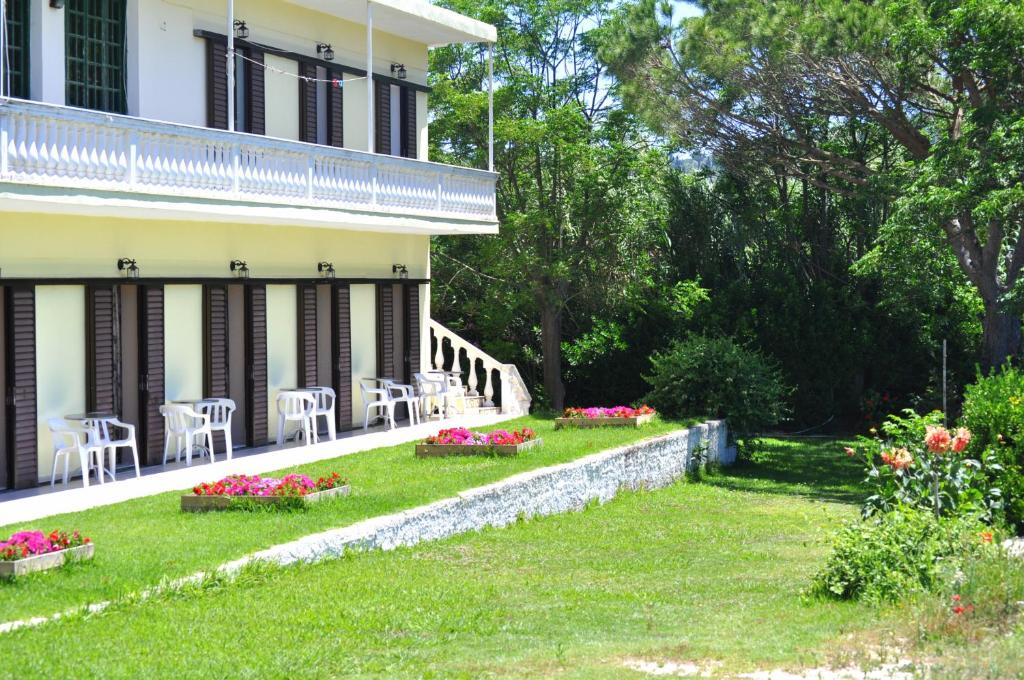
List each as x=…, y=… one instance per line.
x=282, y=97
x=60, y=363
x=183, y=342
x=364, y=343
x=282, y=346
x=37, y=245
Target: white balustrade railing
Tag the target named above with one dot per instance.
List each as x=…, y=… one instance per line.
x=60, y=146
x=515, y=398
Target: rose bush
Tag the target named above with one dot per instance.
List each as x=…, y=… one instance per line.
x=916, y=462
x=30, y=543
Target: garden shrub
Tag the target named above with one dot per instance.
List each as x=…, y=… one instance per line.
x=994, y=412
x=897, y=553
x=719, y=378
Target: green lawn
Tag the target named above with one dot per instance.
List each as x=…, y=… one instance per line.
x=142, y=541
x=708, y=572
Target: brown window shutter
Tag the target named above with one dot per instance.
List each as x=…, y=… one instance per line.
x=385, y=331
x=408, y=99
x=23, y=448
x=382, y=117
x=341, y=340
x=256, y=359
x=216, y=381
x=151, y=372
x=307, y=336
x=103, y=349
x=216, y=85
x=335, y=115
x=257, y=94
x=412, y=330
x=307, y=103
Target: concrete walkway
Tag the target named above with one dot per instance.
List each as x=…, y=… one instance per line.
x=43, y=503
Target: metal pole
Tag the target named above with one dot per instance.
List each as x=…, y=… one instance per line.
x=231, y=65
x=490, y=106
x=3, y=48
x=945, y=411
x=369, y=77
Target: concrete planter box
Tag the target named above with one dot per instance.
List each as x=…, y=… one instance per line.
x=51, y=560
x=634, y=421
x=193, y=503
x=441, y=450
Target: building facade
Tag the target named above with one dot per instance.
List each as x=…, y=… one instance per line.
x=172, y=228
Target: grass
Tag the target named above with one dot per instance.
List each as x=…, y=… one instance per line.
x=143, y=541
x=711, y=572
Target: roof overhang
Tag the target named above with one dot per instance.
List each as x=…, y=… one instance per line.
x=413, y=19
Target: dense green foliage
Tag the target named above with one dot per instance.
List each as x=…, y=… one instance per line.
x=719, y=378
x=614, y=245
x=898, y=553
x=994, y=412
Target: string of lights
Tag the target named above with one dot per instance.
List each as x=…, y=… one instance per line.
x=336, y=81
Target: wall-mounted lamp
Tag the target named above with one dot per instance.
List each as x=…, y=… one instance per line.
x=240, y=268
x=400, y=270
x=325, y=51
x=241, y=30
x=129, y=267
x=57, y=4
x=398, y=71
x=326, y=269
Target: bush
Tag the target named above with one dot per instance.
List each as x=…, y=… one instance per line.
x=718, y=378
x=898, y=553
x=994, y=412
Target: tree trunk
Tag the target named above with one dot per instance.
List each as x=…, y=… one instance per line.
x=1001, y=336
x=551, y=349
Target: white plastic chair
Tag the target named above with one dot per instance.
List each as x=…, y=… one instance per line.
x=325, y=400
x=220, y=412
x=453, y=392
x=107, y=440
x=377, y=398
x=296, y=407
x=405, y=394
x=431, y=393
x=74, y=439
x=184, y=426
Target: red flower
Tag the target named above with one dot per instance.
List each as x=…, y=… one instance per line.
x=986, y=536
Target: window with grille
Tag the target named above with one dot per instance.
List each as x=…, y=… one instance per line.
x=95, y=35
x=17, y=48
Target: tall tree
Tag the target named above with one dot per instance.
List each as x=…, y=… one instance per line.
x=578, y=198
x=766, y=84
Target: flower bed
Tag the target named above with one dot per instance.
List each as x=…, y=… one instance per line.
x=242, y=490
x=598, y=416
x=28, y=551
x=459, y=441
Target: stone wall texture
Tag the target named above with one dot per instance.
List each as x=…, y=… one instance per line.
x=650, y=464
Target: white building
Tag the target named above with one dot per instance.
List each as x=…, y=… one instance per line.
x=281, y=235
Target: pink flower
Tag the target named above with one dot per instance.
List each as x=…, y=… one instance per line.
x=962, y=439
x=937, y=439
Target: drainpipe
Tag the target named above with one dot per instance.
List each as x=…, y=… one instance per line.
x=490, y=107
x=369, y=77
x=230, y=65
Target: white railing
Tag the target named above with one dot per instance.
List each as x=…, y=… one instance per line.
x=49, y=145
x=515, y=398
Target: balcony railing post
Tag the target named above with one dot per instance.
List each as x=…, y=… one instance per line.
x=133, y=155
x=440, y=192
x=310, y=167
x=373, y=184
x=4, y=136
x=236, y=168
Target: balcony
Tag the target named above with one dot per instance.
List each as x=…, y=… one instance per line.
x=117, y=163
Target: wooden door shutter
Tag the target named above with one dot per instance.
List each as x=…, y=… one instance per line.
x=412, y=330
x=409, y=145
x=385, y=331
x=103, y=349
x=151, y=373
x=216, y=85
x=382, y=117
x=335, y=116
x=216, y=380
x=341, y=346
x=22, y=428
x=257, y=93
x=307, y=102
x=307, y=336
x=257, y=400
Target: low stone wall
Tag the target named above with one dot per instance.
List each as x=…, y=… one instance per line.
x=650, y=464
